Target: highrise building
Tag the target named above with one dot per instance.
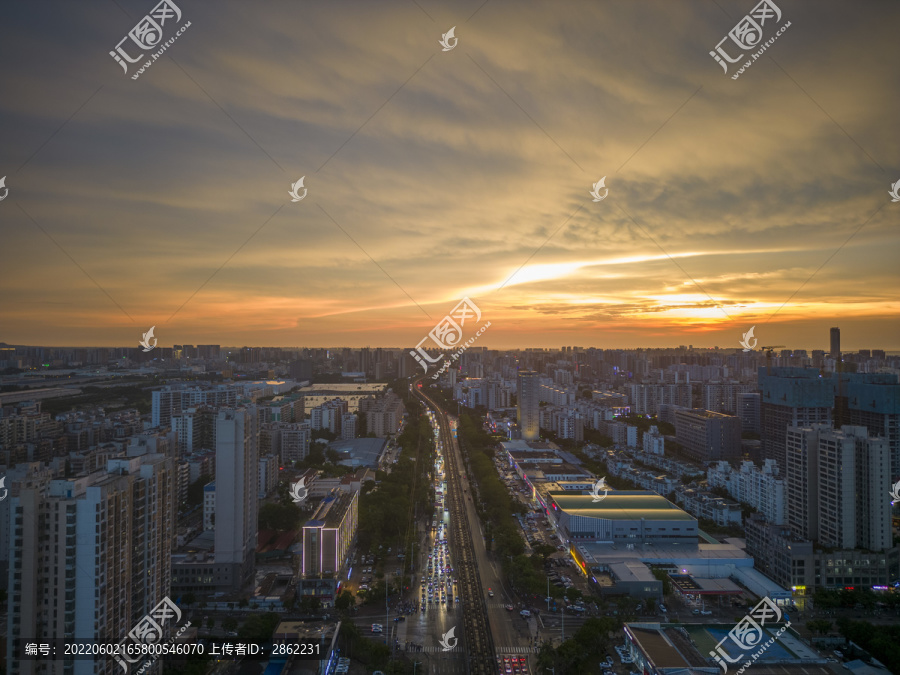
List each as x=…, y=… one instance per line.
x=174, y=400
x=89, y=557
x=835, y=352
x=528, y=406
x=348, y=427
x=237, y=467
x=872, y=400
x=791, y=397
x=748, y=405
x=836, y=486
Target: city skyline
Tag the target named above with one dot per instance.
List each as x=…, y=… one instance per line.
x=437, y=175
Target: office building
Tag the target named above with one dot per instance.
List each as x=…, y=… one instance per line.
x=707, y=436
x=327, y=538
x=835, y=352
x=528, y=405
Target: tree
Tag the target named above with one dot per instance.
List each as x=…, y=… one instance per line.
x=309, y=604
x=344, y=601
x=281, y=517
x=229, y=623
x=573, y=594
x=243, y=603
x=663, y=576
x=189, y=599
x=210, y=623
x=820, y=626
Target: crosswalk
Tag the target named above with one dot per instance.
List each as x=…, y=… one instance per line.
x=431, y=649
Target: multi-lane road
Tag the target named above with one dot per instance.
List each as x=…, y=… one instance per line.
x=490, y=628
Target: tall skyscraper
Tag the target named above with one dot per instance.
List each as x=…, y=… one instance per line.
x=528, y=408
x=835, y=352
x=237, y=480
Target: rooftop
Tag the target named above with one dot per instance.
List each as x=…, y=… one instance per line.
x=621, y=505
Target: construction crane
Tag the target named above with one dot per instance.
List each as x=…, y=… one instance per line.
x=768, y=350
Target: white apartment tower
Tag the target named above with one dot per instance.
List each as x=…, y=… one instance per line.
x=237, y=485
x=836, y=486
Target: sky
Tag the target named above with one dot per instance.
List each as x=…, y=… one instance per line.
x=432, y=175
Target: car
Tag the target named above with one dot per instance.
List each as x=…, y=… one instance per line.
x=662, y=608
x=377, y=628
x=509, y=608
x=490, y=593
x=705, y=612
x=695, y=612
x=400, y=618
x=525, y=613
x=838, y=653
